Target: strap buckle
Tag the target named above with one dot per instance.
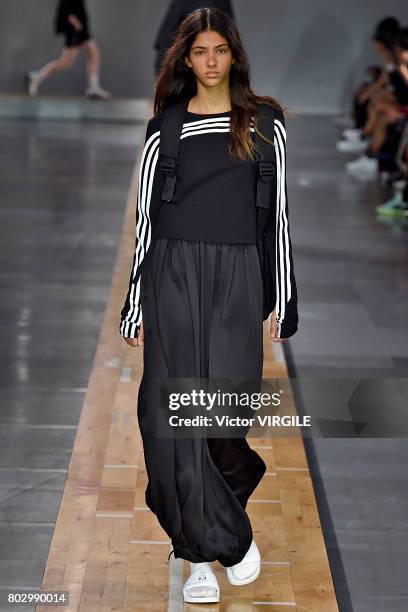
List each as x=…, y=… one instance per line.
x=168, y=167
x=267, y=172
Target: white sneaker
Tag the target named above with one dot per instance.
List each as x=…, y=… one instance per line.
x=351, y=146
x=344, y=122
x=248, y=569
x=352, y=133
x=363, y=167
x=202, y=585
x=97, y=93
x=31, y=83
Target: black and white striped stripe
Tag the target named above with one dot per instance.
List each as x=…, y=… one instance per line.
x=283, y=285
x=132, y=319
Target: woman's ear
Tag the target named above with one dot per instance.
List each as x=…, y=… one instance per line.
x=186, y=60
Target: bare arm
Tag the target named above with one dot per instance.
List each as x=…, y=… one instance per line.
x=74, y=21
x=370, y=90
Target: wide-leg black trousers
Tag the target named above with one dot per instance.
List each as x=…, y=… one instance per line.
x=202, y=316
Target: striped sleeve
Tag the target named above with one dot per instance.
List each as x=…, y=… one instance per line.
x=286, y=291
x=131, y=314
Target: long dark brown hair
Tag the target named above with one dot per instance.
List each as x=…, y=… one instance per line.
x=177, y=82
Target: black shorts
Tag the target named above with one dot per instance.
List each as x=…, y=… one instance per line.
x=73, y=38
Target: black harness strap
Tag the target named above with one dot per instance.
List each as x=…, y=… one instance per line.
x=267, y=165
x=170, y=132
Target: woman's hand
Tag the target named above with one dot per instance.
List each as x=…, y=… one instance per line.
x=139, y=341
x=273, y=331
x=74, y=21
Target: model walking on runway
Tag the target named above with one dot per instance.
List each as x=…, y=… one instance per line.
x=206, y=272
x=72, y=21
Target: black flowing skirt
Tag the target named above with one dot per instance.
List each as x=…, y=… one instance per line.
x=202, y=317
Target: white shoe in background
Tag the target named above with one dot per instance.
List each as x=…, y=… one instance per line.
x=32, y=83
x=363, y=167
x=352, y=133
x=97, y=93
x=354, y=145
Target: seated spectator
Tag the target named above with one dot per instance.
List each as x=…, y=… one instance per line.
x=398, y=205
x=384, y=43
x=385, y=110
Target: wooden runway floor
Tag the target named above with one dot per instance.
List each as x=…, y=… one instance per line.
x=108, y=549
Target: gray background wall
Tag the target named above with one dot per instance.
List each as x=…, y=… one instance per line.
x=308, y=53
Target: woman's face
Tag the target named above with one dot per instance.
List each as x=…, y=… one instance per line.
x=210, y=58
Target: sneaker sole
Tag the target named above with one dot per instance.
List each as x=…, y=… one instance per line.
x=97, y=97
x=392, y=213
x=356, y=150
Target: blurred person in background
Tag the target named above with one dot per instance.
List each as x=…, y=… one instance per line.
x=387, y=110
x=397, y=206
x=72, y=21
x=177, y=11
x=378, y=84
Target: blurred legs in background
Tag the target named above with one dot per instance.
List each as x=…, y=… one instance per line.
x=66, y=61
x=94, y=89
